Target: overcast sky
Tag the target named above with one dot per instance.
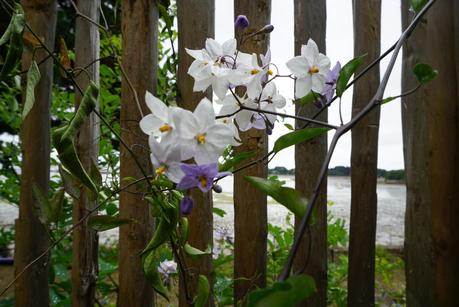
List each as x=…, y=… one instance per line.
x=339, y=48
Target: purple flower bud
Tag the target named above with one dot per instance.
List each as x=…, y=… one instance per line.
x=241, y=22
x=186, y=205
x=217, y=188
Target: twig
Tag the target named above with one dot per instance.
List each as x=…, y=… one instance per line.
x=374, y=102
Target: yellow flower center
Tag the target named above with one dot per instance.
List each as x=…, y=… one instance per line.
x=254, y=71
x=203, y=181
x=161, y=170
x=165, y=128
x=313, y=70
x=270, y=72
x=201, y=138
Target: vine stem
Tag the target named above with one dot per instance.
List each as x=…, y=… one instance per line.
x=373, y=103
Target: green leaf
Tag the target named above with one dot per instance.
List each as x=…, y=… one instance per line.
x=56, y=203
x=229, y=164
x=203, y=292
x=16, y=25
x=184, y=230
x=388, y=99
x=13, y=55
x=69, y=158
x=33, y=77
x=424, y=73
x=164, y=230
x=297, y=136
x=288, y=126
x=106, y=222
x=71, y=184
x=346, y=73
x=150, y=268
x=219, y=212
x=417, y=5
x=195, y=252
x=288, y=197
x=311, y=97
x=87, y=105
x=43, y=208
x=287, y=294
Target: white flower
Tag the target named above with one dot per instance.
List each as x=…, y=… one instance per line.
x=310, y=69
x=167, y=267
x=212, y=66
x=244, y=118
x=159, y=123
x=271, y=101
x=200, y=135
x=166, y=159
x=252, y=75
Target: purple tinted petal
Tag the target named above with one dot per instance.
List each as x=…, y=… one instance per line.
x=209, y=170
x=186, y=205
x=190, y=169
x=188, y=182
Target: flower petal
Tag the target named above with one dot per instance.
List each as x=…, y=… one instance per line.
x=150, y=125
x=302, y=87
x=299, y=66
x=156, y=106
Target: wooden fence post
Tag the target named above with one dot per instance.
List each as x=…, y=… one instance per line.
x=310, y=22
x=250, y=211
x=195, y=24
x=431, y=145
x=140, y=38
x=32, y=238
x=85, y=240
x=364, y=159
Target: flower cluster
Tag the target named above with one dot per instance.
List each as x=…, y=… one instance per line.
x=247, y=97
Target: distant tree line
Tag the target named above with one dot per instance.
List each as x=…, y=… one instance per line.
x=397, y=175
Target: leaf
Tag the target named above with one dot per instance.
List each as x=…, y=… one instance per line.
x=64, y=56
x=164, y=230
x=203, y=291
x=56, y=203
x=106, y=222
x=31, y=41
x=42, y=210
x=150, y=268
x=184, y=230
x=219, y=212
x=195, y=252
x=229, y=164
x=288, y=126
x=417, y=5
x=287, y=294
x=13, y=55
x=87, y=105
x=71, y=184
x=288, y=197
x=33, y=77
x=424, y=73
x=69, y=158
x=311, y=97
x=388, y=99
x=346, y=73
x=15, y=26
x=296, y=137
x=96, y=177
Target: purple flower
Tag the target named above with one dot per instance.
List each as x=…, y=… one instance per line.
x=241, y=22
x=200, y=176
x=330, y=84
x=186, y=205
x=217, y=188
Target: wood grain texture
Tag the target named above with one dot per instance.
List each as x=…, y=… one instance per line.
x=250, y=211
x=31, y=236
x=364, y=159
x=310, y=22
x=140, y=35
x=431, y=141
x=193, y=29
x=86, y=240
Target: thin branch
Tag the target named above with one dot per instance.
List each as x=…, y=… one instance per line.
x=374, y=102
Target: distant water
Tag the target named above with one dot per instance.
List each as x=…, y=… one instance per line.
x=391, y=209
